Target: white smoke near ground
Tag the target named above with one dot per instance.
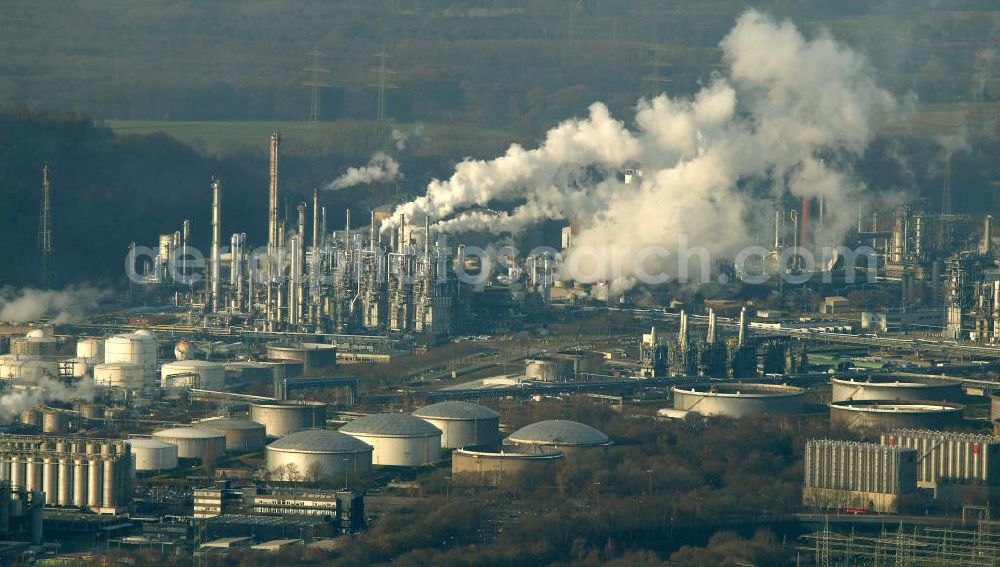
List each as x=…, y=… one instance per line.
x=405, y=139
x=982, y=71
x=787, y=117
x=381, y=167
x=59, y=306
x=14, y=401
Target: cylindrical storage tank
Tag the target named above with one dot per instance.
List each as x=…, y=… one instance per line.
x=90, y=347
x=491, y=466
x=153, y=455
x=995, y=406
x=50, y=477
x=892, y=414
x=738, y=400
x=33, y=347
x=124, y=375
x=95, y=482
x=139, y=348
x=40, y=332
x=80, y=367
x=31, y=417
x=208, y=375
x=241, y=434
x=463, y=423
x=91, y=410
x=54, y=422
x=548, y=369
x=398, y=439
x=65, y=481
x=316, y=358
x=319, y=454
x=896, y=387
x=565, y=435
x=13, y=367
x=281, y=418
x=80, y=469
x=194, y=442
x=248, y=372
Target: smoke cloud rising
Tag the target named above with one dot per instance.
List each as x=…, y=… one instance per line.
x=14, y=401
x=66, y=306
x=786, y=118
x=381, y=167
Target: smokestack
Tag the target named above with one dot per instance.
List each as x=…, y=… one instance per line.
x=272, y=203
x=427, y=242
x=322, y=226
x=371, y=236
x=652, y=336
x=804, y=225
x=347, y=231
x=302, y=222
x=315, y=218
x=236, y=267
x=860, y=217
x=777, y=228
x=402, y=232
x=742, y=337
x=986, y=246
x=216, y=237
x=710, y=337
x=682, y=335
x=185, y=234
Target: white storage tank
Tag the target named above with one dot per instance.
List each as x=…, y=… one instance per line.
x=194, y=442
x=33, y=346
x=241, y=434
x=80, y=367
x=206, y=375
x=319, y=454
x=568, y=436
x=398, y=439
x=139, y=348
x=463, y=423
x=152, y=455
x=90, y=347
x=283, y=417
x=14, y=367
x=124, y=375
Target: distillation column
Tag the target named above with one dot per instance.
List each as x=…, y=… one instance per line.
x=216, y=238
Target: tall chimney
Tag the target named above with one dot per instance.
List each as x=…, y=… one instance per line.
x=216, y=237
x=315, y=218
x=804, y=222
x=742, y=338
x=710, y=337
x=986, y=246
x=347, y=231
x=272, y=203
x=682, y=335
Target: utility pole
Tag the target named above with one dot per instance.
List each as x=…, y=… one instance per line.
x=651, y=83
x=315, y=83
x=45, y=233
x=382, y=73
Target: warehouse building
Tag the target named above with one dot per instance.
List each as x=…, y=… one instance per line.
x=951, y=462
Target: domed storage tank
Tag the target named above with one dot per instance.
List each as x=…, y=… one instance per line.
x=565, y=435
x=90, y=410
x=738, y=400
x=462, y=423
x=241, y=434
x=896, y=387
x=892, y=414
x=281, y=418
x=40, y=332
x=34, y=347
x=549, y=369
x=124, y=375
x=90, y=347
x=398, y=439
x=207, y=375
x=153, y=455
x=194, y=442
x=319, y=454
x=139, y=348
x=14, y=367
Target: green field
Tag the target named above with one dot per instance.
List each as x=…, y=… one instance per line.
x=348, y=138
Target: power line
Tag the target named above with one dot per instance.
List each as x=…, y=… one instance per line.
x=45, y=233
x=315, y=83
x=383, y=72
x=651, y=82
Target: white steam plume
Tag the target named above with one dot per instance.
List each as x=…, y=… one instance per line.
x=14, y=401
x=66, y=306
x=381, y=167
x=788, y=116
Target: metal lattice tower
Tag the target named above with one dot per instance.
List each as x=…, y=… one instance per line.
x=315, y=83
x=382, y=74
x=650, y=84
x=45, y=233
